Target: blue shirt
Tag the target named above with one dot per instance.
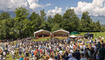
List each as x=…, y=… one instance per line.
x=21, y=58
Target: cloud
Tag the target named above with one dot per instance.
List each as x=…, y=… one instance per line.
x=49, y=4
x=10, y=5
x=95, y=8
x=33, y=4
x=54, y=11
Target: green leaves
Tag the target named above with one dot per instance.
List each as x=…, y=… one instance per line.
x=21, y=13
x=23, y=26
x=72, y=22
x=88, y=25
x=33, y=16
x=4, y=15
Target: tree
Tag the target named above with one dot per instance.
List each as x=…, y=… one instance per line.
x=23, y=26
x=103, y=28
x=50, y=22
x=43, y=19
x=57, y=19
x=4, y=15
x=98, y=26
x=33, y=16
x=21, y=13
x=35, y=21
x=86, y=22
x=26, y=28
x=71, y=21
x=42, y=14
x=6, y=29
x=55, y=27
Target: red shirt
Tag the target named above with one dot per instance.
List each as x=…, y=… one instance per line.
x=26, y=58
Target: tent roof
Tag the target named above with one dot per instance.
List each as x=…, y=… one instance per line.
x=61, y=30
x=41, y=30
x=72, y=36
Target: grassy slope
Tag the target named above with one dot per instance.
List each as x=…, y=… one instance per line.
x=96, y=34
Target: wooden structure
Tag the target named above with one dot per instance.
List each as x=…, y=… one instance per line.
x=61, y=33
x=42, y=33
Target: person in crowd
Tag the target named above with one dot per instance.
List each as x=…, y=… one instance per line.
x=21, y=58
x=83, y=57
x=77, y=54
x=13, y=54
x=0, y=57
x=102, y=52
x=73, y=57
x=55, y=49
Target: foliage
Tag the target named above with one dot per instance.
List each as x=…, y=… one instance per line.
x=24, y=25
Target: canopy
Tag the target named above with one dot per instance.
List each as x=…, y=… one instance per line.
x=61, y=32
x=41, y=32
x=73, y=36
x=74, y=32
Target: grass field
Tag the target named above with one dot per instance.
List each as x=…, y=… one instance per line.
x=42, y=39
x=96, y=34
x=61, y=38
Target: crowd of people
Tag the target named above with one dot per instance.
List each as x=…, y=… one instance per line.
x=54, y=49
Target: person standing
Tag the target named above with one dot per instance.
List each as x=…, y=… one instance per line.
x=102, y=52
x=0, y=57
x=73, y=57
x=83, y=57
x=21, y=58
x=26, y=58
x=77, y=54
x=13, y=54
x=4, y=55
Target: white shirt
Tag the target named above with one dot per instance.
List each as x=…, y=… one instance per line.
x=4, y=53
x=83, y=59
x=50, y=59
x=70, y=55
x=61, y=52
x=0, y=56
x=72, y=58
x=84, y=46
x=13, y=53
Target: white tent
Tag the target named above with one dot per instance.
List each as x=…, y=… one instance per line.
x=72, y=36
x=41, y=32
x=61, y=32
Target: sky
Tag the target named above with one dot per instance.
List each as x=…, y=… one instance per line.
x=51, y=7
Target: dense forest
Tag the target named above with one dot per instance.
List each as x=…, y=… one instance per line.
x=24, y=24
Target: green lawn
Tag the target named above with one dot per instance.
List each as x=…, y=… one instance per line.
x=96, y=34
x=61, y=38
x=42, y=39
